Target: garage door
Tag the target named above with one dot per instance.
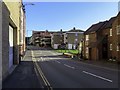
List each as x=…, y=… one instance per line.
x=10, y=46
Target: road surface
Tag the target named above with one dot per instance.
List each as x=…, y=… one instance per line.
x=60, y=72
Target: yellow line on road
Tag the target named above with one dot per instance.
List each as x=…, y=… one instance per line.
x=40, y=72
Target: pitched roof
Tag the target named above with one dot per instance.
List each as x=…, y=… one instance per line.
x=109, y=23
x=100, y=25
x=76, y=30
x=95, y=27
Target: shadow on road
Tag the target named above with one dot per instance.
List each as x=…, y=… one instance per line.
x=23, y=76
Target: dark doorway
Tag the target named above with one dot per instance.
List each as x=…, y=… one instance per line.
x=105, y=47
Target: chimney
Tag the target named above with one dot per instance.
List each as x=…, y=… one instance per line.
x=60, y=30
x=73, y=28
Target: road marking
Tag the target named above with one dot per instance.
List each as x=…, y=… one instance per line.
x=40, y=72
x=98, y=66
x=69, y=66
x=58, y=62
x=97, y=76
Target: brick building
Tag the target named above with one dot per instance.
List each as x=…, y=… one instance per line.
x=57, y=38
x=101, y=40
x=41, y=38
x=73, y=38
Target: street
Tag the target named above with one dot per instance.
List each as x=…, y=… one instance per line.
x=53, y=70
x=64, y=73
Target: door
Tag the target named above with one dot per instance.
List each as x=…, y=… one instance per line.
x=10, y=46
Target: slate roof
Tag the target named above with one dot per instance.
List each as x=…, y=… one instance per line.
x=100, y=26
x=109, y=24
x=94, y=27
x=76, y=30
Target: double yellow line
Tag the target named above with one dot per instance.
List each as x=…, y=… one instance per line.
x=40, y=73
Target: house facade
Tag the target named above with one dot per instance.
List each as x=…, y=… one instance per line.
x=101, y=40
x=57, y=38
x=10, y=36
x=73, y=38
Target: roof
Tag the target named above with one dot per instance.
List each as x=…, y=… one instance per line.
x=109, y=24
x=76, y=30
x=100, y=25
x=95, y=27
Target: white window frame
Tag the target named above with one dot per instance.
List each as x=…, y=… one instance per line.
x=87, y=37
x=76, y=34
x=118, y=48
x=87, y=50
x=111, y=32
x=111, y=47
x=118, y=30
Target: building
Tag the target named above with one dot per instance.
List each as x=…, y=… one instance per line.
x=10, y=36
x=22, y=46
x=72, y=38
x=101, y=40
x=41, y=38
x=57, y=39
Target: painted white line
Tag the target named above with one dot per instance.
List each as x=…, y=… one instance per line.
x=69, y=66
x=57, y=61
x=100, y=66
x=97, y=76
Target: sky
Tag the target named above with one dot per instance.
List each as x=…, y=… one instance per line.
x=53, y=16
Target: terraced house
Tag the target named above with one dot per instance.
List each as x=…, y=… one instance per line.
x=57, y=39
x=11, y=32
x=73, y=38
x=101, y=40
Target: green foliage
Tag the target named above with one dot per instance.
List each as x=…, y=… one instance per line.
x=68, y=51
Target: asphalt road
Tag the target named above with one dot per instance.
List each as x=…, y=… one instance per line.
x=45, y=68
x=61, y=72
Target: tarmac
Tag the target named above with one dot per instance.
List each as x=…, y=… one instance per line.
x=24, y=75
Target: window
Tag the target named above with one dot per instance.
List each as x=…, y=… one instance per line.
x=86, y=49
x=87, y=37
x=118, y=29
x=117, y=47
x=111, y=32
x=76, y=34
x=110, y=46
x=86, y=43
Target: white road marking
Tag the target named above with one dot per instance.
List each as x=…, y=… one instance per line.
x=69, y=66
x=99, y=66
x=97, y=76
x=57, y=61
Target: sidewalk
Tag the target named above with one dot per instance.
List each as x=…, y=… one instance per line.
x=23, y=76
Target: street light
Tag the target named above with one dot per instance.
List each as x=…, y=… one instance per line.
x=23, y=6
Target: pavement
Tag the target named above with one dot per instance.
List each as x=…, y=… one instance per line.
x=24, y=75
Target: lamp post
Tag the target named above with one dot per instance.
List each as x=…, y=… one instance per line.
x=23, y=6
